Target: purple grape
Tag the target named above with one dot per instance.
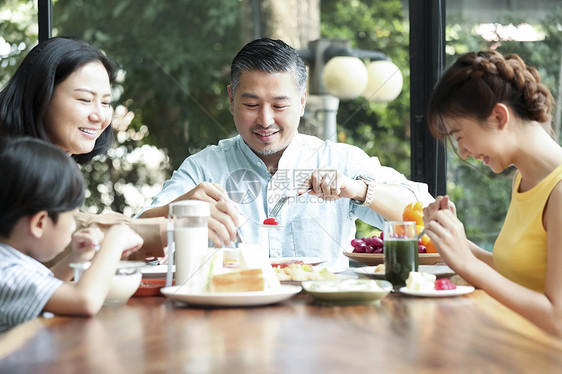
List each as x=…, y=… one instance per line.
x=378, y=250
x=421, y=248
x=368, y=241
x=355, y=243
x=376, y=242
x=369, y=249
x=360, y=248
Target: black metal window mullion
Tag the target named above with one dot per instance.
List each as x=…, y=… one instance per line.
x=427, y=60
x=44, y=19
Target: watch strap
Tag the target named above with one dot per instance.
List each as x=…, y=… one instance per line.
x=370, y=191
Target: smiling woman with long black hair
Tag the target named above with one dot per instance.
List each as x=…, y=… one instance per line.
x=61, y=93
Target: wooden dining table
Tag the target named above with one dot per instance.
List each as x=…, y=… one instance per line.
x=471, y=333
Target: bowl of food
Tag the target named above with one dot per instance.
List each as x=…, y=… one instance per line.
x=348, y=291
x=124, y=283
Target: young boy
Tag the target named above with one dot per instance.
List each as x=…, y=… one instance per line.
x=40, y=192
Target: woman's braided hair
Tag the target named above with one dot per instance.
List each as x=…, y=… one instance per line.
x=476, y=82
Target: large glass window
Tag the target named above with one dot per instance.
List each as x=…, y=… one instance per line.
x=18, y=34
x=530, y=29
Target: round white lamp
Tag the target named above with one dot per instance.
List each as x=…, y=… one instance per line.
x=384, y=83
x=345, y=77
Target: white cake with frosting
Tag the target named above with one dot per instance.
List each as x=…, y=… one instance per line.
x=253, y=272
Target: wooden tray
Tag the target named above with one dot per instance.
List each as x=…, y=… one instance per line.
x=378, y=258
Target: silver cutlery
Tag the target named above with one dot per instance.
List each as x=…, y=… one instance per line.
x=278, y=205
x=282, y=200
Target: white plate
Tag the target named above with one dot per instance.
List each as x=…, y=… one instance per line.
x=334, y=269
x=232, y=298
x=437, y=270
x=460, y=290
x=305, y=260
x=155, y=271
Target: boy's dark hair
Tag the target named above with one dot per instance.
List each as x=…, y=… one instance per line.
x=36, y=176
x=26, y=97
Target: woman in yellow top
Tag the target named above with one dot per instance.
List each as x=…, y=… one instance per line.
x=495, y=109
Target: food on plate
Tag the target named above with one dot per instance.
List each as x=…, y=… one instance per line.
x=270, y=221
x=372, y=244
x=379, y=269
x=246, y=280
x=420, y=281
x=347, y=285
x=430, y=247
x=414, y=212
x=375, y=244
x=424, y=282
x=286, y=263
x=301, y=272
x=253, y=273
x=444, y=284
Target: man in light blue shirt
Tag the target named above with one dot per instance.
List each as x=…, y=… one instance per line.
x=329, y=184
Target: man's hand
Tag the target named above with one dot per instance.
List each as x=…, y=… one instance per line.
x=329, y=184
x=205, y=191
x=223, y=222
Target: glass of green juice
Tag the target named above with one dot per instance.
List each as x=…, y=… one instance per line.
x=400, y=251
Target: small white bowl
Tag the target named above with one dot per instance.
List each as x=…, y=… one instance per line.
x=124, y=283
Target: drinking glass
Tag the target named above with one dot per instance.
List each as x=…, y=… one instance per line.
x=190, y=218
x=400, y=251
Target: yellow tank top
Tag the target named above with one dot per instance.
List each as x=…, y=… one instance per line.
x=520, y=251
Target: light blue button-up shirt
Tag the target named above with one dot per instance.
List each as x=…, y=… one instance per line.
x=309, y=226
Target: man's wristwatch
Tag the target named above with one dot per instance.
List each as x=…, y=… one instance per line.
x=370, y=182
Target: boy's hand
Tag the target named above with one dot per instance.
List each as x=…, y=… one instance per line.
x=124, y=238
x=85, y=242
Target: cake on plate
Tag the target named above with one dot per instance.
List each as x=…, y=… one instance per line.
x=253, y=271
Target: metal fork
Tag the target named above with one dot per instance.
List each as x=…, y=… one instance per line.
x=282, y=200
x=278, y=205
